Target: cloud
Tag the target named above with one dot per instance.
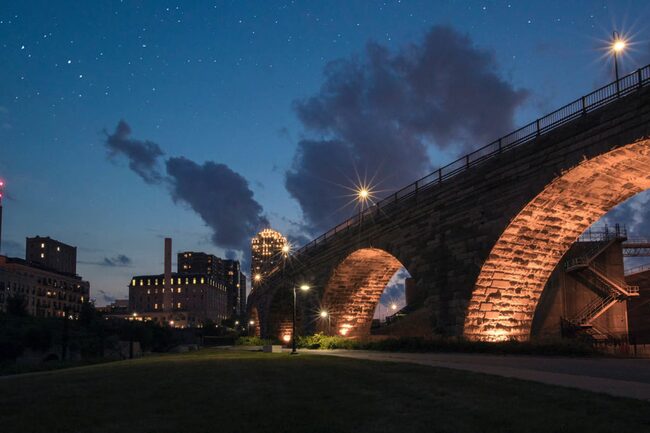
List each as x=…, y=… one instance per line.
x=105, y=297
x=119, y=260
x=377, y=115
x=12, y=248
x=142, y=155
x=633, y=213
x=395, y=289
x=219, y=195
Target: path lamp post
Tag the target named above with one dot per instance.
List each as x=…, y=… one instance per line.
x=325, y=315
x=618, y=45
x=303, y=288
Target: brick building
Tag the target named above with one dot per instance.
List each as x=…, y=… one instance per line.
x=52, y=254
x=226, y=271
x=187, y=298
x=48, y=284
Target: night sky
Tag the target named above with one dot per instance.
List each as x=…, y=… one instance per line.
x=124, y=122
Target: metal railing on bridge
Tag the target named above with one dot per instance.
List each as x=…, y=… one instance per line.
x=637, y=269
x=586, y=104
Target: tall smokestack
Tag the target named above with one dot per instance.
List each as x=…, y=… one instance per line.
x=167, y=286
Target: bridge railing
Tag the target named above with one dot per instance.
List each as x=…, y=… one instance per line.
x=586, y=104
x=637, y=269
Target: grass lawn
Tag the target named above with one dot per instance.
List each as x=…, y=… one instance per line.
x=223, y=391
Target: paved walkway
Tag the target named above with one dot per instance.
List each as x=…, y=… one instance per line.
x=619, y=377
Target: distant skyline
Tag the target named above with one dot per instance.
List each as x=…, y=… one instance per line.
x=125, y=122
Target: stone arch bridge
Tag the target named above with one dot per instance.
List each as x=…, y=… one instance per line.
x=481, y=236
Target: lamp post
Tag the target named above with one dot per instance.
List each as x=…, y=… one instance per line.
x=618, y=45
x=303, y=288
x=325, y=315
x=362, y=197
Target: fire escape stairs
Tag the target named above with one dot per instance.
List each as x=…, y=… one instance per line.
x=608, y=290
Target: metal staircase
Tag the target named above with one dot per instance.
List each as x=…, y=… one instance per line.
x=608, y=290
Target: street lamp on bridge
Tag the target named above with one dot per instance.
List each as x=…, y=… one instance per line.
x=303, y=288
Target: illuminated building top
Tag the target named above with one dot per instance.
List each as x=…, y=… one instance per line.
x=267, y=249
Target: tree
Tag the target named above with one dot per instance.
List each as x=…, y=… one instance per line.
x=16, y=306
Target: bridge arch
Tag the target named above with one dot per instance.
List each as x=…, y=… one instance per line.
x=353, y=290
x=512, y=278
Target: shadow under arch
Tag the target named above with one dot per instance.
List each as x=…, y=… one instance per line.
x=254, y=328
x=279, y=321
x=512, y=278
x=354, y=289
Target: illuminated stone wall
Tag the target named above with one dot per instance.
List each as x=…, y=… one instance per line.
x=352, y=293
x=515, y=273
x=481, y=246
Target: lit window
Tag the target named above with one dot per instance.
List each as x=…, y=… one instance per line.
x=155, y=282
x=148, y=282
x=58, y=248
x=42, y=255
x=163, y=290
x=148, y=291
x=179, y=280
x=42, y=245
x=194, y=280
x=179, y=290
x=155, y=306
x=133, y=282
x=178, y=305
x=142, y=282
x=202, y=280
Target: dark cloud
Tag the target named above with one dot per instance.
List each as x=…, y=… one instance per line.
x=12, y=248
x=142, y=155
x=221, y=197
x=395, y=289
x=119, y=260
x=633, y=213
x=105, y=298
x=377, y=114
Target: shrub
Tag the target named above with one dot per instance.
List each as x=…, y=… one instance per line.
x=557, y=347
x=326, y=342
x=252, y=341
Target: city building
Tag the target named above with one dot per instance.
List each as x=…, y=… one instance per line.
x=188, y=301
x=267, y=247
x=181, y=299
x=117, y=307
x=197, y=262
x=52, y=254
x=48, y=284
x=229, y=272
x=225, y=270
x=242, y=294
